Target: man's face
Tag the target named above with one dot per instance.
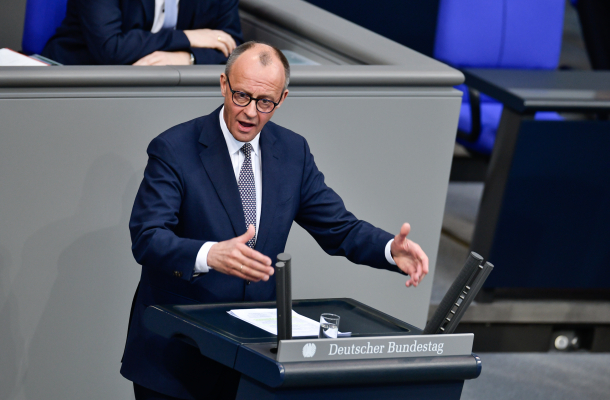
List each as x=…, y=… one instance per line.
x=248, y=75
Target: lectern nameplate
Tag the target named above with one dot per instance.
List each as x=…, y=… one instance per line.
x=367, y=348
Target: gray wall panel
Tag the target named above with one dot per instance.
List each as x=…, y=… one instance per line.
x=69, y=171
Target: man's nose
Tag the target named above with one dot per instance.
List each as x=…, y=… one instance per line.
x=251, y=110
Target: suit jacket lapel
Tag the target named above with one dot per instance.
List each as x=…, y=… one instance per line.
x=271, y=181
x=149, y=12
x=217, y=163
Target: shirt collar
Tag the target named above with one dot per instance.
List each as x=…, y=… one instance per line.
x=233, y=144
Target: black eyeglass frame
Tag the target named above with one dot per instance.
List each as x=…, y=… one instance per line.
x=251, y=98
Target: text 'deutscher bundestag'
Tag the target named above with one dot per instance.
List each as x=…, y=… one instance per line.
x=375, y=347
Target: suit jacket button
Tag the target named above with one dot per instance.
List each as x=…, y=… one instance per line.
x=177, y=274
x=247, y=283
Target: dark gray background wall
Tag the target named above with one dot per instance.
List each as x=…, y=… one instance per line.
x=12, y=13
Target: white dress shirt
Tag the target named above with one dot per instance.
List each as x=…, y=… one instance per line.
x=237, y=159
x=160, y=15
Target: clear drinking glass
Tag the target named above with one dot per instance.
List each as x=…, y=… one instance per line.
x=329, y=326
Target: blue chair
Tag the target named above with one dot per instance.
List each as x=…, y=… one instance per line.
x=512, y=34
x=42, y=17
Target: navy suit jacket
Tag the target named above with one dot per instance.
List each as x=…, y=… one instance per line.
x=188, y=196
x=117, y=32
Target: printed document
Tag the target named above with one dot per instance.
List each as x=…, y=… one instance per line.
x=266, y=319
x=10, y=58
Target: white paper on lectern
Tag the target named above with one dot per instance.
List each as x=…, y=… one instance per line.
x=10, y=58
x=266, y=319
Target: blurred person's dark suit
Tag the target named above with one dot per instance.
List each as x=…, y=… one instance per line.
x=118, y=32
x=594, y=16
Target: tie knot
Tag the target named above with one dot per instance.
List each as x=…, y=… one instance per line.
x=247, y=149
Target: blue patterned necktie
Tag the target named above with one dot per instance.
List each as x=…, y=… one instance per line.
x=247, y=191
x=171, y=14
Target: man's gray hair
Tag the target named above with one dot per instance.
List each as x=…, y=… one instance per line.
x=264, y=57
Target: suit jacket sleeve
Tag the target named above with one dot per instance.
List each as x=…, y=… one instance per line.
x=155, y=216
x=323, y=214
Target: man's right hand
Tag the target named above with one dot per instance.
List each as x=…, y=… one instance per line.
x=234, y=257
x=211, y=39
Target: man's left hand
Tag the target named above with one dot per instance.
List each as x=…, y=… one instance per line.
x=165, y=58
x=409, y=256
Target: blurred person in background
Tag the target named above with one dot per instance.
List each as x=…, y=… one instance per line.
x=146, y=32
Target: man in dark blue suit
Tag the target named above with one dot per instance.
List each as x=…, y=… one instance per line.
x=145, y=32
x=216, y=204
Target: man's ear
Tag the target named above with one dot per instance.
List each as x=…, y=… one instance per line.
x=223, y=84
x=283, y=97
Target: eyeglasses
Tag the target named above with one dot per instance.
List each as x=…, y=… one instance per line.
x=242, y=99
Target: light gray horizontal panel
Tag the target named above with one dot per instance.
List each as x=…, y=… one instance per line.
x=109, y=92
x=373, y=91
x=375, y=75
x=199, y=75
x=119, y=75
x=340, y=75
x=214, y=91
x=208, y=75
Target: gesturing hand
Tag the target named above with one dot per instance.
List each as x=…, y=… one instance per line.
x=234, y=257
x=409, y=256
x=211, y=39
x=165, y=58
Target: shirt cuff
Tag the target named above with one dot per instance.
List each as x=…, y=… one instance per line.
x=201, y=263
x=388, y=252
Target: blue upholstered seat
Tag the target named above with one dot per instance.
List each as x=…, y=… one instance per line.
x=513, y=34
x=42, y=17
